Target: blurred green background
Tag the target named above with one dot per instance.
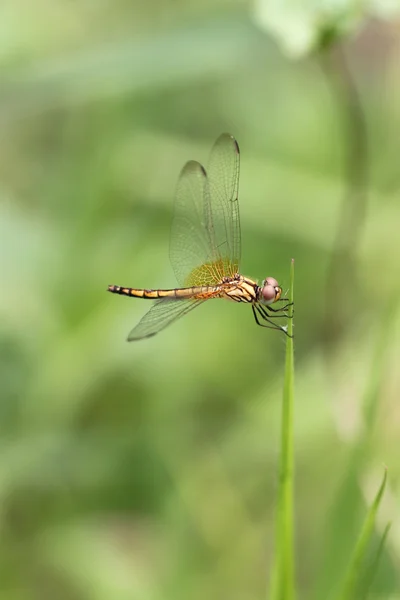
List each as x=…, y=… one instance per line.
x=149, y=470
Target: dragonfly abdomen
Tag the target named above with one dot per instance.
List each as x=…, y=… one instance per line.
x=177, y=293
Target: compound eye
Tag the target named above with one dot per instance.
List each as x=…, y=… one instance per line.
x=269, y=293
x=271, y=281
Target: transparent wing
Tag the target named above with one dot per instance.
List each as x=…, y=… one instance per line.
x=205, y=235
x=163, y=312
x=190, y=244
x=223, y=187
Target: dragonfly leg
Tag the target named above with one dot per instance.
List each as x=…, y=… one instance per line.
x=261, y=324
x=279, y=312
x=271, y=326
x=283, y=307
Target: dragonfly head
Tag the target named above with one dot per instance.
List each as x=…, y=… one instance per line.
x=270, y=291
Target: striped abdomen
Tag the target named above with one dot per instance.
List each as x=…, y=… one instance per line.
x=178, y=293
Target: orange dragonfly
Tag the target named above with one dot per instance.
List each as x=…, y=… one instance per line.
x=205, y=248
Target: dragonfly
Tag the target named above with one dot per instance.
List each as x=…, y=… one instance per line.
x=205, y=249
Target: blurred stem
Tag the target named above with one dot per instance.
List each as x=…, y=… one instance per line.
x=342, y=269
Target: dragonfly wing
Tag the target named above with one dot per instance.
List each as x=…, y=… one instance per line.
x=163, y=312
x=190, y=245
x=223, y=219
x=205, y=235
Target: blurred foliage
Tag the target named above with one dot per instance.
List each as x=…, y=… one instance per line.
x=301, y=27
x=149, y=470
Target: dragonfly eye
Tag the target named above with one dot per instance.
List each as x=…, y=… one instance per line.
x=271, y=281
x=271, y=291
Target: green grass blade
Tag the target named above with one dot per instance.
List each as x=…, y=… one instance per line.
x=341, y=528
x=282, y=576
x=372, y=568
x=352, y=577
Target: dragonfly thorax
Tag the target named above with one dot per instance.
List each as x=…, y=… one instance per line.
x=270, y=291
